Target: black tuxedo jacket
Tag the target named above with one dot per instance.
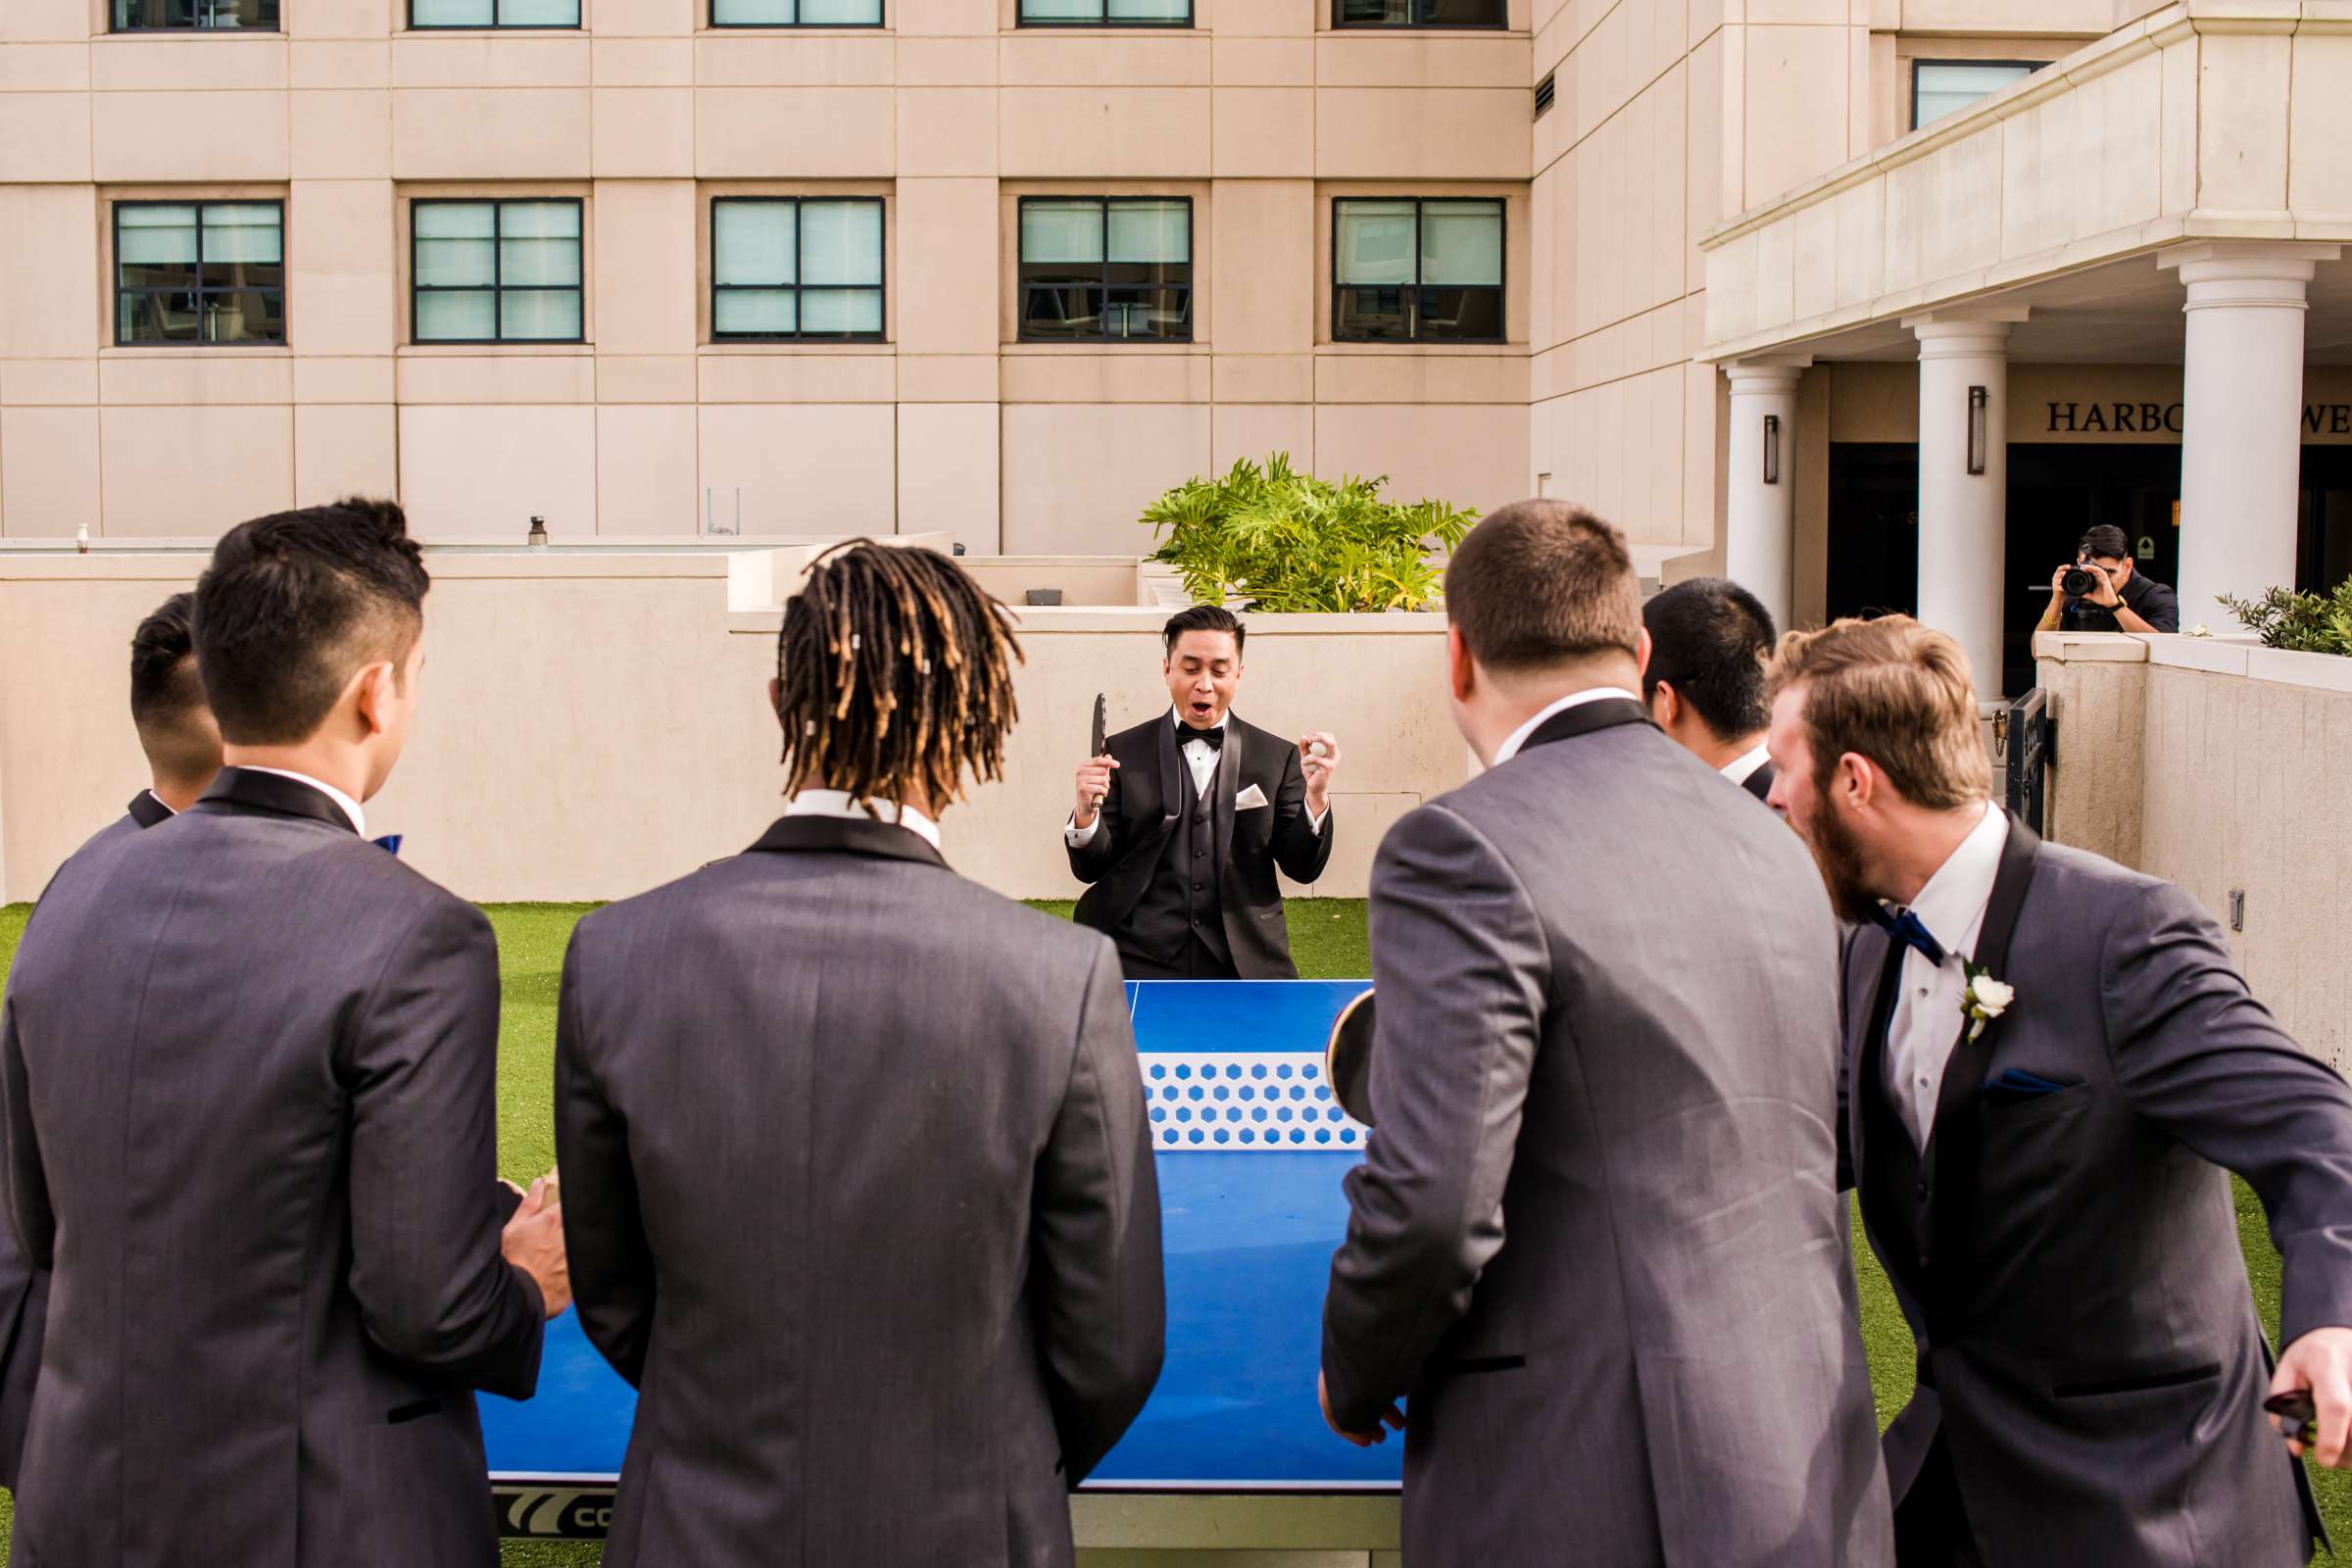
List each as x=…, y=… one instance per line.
x=247, y=1066
x=1139, y=812
x=24, y=1291
x=2066, y=1248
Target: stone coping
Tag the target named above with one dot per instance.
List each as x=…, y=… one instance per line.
x=2236, y=655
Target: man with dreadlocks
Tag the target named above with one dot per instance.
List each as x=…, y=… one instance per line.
x=858, y=1181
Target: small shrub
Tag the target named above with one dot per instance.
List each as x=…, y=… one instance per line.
x=1288, y=541
x=2310, y=624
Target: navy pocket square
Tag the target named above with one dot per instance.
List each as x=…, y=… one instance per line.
x=2016, y=1084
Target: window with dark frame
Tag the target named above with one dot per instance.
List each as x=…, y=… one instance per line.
x=1106, y=269
x=796, y=13
x=795, y=269
x=1105, y=14
x=495, y=272
x=201, y=273
x=1422, y=13
x=176, y=16
x=427, y=15
x=1941, y=88
x=1415, y=270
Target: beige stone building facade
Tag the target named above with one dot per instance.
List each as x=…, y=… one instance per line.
x=670, y=269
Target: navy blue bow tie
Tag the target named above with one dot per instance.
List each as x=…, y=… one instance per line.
x=390, y=841
x=1906, y=929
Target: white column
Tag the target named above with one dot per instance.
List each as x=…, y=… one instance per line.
x=2241, y=453
x=1964, y=516
x=1759, y=547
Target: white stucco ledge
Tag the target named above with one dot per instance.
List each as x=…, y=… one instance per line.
x=2235, y=655
x=1059, y=620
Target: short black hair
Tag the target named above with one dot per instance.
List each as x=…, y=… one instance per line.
x=1709, y=638
x=293, y=604
x=1205, y=617
x=164, y=683
x=2107, y=542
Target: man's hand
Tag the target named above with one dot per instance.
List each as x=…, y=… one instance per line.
x=1393, y=1415
x=2058, y=582
x=533, y=1241
x=1094, y=783
x=2320, y=1361
x=1319, y=756
x=2104, y=595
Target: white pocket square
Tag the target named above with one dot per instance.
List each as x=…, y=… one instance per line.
x=1250, y=798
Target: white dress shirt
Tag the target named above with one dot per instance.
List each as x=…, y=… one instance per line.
x=840, y=803
x=1739, y=769
x=351, y=807
x=1519, y=737
x=1925, y=1025
x=1198, y=756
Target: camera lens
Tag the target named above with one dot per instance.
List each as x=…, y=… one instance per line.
x=2079, y=582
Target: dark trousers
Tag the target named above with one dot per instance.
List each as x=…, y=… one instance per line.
x=1931, y=1523
x=1198, y=963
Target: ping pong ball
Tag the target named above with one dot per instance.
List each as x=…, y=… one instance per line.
x=1317, y=749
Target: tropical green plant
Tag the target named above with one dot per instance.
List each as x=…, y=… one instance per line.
x=1282, y=540
x=2311, y=623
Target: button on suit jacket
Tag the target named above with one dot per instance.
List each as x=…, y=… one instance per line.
x=859, y=1195
x=248, y=1066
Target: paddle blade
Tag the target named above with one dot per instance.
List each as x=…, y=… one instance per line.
x=1348, y=1060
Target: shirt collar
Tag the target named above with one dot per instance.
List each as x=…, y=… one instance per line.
x=167, y=805
x=1952, y=903
x=1518, y=737
x=1739, y=769
x=350, y=806
x=840, y=803
x=1176, y=717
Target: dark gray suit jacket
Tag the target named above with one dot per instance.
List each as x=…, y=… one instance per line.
x=2088, y=1344
x=860, y=1194
x=1596, y=1234
x=248, y=1066
x=24, y=1289
x=1139, y=812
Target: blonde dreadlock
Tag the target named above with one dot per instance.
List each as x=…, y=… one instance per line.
x=894, y=676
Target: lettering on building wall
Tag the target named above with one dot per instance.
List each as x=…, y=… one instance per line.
x=2164, y=418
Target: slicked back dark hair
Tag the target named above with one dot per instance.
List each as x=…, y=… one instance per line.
x=164, y=683
x=894, y=676
x=1710, y=640
x=294, y=603
x=1203, y=617
x=1541, y=584
x=2105, y=541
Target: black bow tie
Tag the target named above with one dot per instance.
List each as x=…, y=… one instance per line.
x=1906, y=929
x=1213, y=739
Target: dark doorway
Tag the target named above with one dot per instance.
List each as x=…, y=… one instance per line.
x=2323, y=544
x=2059, y=493
x=1874, y=530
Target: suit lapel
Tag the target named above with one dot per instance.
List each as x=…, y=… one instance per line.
x=1954, y=1147
x=147, y=811
x=1227, y=786
x=1605, y=712
x=1866, y=1094
x=1175, y=778
x=242, y=791
x=845, y=835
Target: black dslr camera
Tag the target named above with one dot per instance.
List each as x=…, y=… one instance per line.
x=2079, y=582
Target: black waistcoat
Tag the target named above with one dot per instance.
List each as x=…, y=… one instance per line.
x=1182, y=903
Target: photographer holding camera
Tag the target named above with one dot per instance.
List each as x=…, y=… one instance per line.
x=2101, y=592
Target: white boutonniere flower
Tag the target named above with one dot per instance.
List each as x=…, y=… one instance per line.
x=1986, y=998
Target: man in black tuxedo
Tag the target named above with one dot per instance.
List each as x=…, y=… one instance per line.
x=2051, y=1066
x=1709, y=641
x=1183, y=822
x=182, y=744
x=859, y=1180
x=247, y=1066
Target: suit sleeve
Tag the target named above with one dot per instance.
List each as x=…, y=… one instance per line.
x=1462, y=967
x=1298, y=849
x=27, y=1185
x=1845, y=1061
x=2204, y=1061
x=1095, y=1234
x=426, y=1270
x=604, y=1226
x=1090, y=860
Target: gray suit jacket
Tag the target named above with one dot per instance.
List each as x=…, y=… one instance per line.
x=247, y=1062
x=860, y=1194
x=24, y=1289
x=1596, y=1234
x=2086, y=1342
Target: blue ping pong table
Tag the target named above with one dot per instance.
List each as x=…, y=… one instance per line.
x=1250, y=1149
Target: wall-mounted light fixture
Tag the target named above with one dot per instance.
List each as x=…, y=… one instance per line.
x=1772, y=449
x=1978, y=400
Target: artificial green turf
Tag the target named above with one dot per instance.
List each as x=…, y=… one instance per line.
x=1328, y=937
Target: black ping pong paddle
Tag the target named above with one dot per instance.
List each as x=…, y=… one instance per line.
x=1348, y=1058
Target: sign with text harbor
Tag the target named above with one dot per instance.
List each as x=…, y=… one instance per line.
x=1252, y=1149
